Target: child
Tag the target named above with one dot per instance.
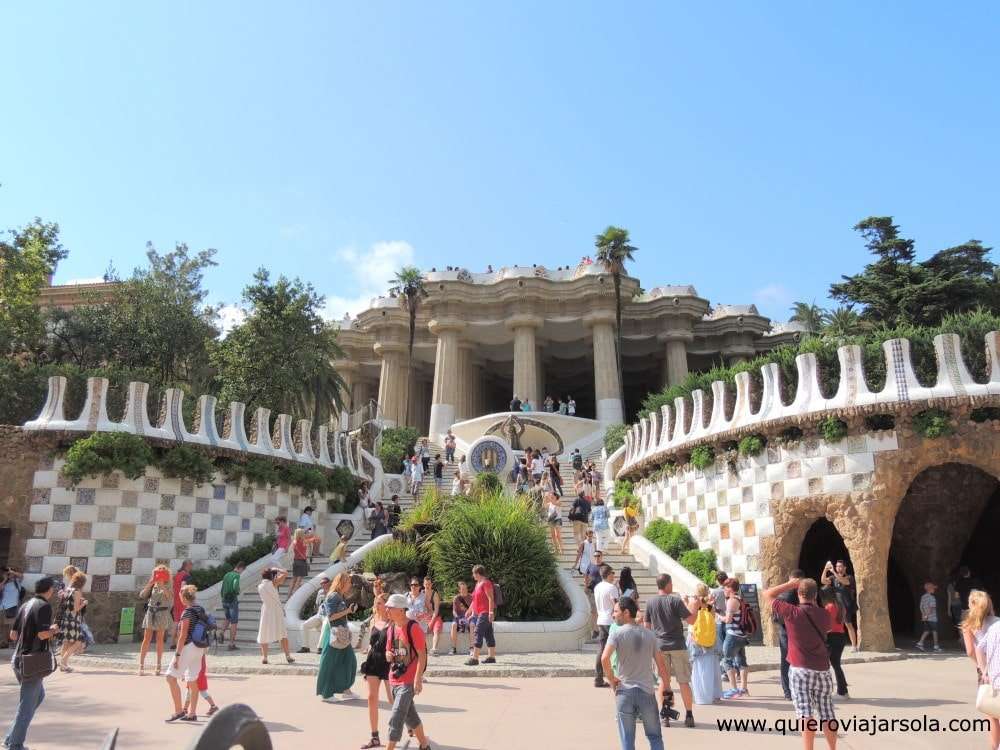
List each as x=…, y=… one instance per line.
x=438, y=472
x=340, y=551
x=203, y=690
x=928, y=614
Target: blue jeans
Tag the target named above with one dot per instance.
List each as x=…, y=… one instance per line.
x=734, y=654
x=636, y=703
x=32, y=695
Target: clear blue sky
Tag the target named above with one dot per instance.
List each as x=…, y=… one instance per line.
x=739, y=142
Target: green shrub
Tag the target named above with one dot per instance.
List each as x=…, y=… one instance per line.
x=673, y=538
x=396, y=557
x=505, y=535
x=310, y=479
x=623, y=494
x=614, y=437
x=878, y=422
x=832, y=429
x=702, y=563
x=932, y=423
x=397, y=443
x=106, y=452
x=751, y=445
x=702, y=456
x=253, y=470
x=985, y=414
x=185, y=462
x=203, y=578
x=428, y=510
x=486, y=483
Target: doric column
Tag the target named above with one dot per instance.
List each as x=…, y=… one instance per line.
x=675, y=364
x=392, y=382
x=607, y=388
x=526, y=381
x=444, y=402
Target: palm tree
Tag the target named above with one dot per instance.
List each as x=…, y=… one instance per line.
x=408, y=286
x=613, y=249
x=809, y=315
x=842, y=322
x=321, y=397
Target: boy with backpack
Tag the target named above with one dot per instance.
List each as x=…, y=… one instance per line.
x=406, y=653
x=231, y=604
x=665, y=616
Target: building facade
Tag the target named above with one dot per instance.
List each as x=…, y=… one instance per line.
x=481, y=338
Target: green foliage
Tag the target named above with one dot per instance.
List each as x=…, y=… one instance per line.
x=253, y=470
x=752, y=445
x=876, y=422
x=673, y=538
x=397, y=444
x=25, y=261
x=702, y=456
x=106, y=452
x=702, y=563
x=185, y=462
x=310, y=479
x=205, y=577
x=809, y=315
x=614, y=437
x=505, y=535
x=623, y=494
x=832, y=429
x=486, y=483
x=396, y=557
x=280, y=356
x=429, y=509
x=408, y=286
x=932, y=423
x=985, y=414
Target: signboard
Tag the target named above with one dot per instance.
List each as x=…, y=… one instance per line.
x=126, y=625
x=749, y=593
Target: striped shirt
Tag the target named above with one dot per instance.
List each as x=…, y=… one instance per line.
x=988, y=639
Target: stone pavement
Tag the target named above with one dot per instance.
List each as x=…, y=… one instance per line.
x=479, y=714
x=124, y=657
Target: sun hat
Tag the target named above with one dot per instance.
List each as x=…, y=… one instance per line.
x=397, y=601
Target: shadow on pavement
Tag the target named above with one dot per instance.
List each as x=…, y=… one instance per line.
x=473, y=685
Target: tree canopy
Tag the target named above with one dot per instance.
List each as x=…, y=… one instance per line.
x=26, y=260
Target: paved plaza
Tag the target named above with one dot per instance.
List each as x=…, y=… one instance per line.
x=487, y=714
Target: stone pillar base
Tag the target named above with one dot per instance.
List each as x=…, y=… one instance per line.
x=442, y=417
x=609, y=411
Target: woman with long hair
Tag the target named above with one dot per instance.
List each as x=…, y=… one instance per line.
x=338, y=666
x=631, y=526
x=186, y=664
x=71, y=620
x=627, y=585
x=159, y=597
x=272, y=614
x=553, y=517
x=375, y=668
x=706, y=680
x=734, y=647
x=836, y=638
x=300, y=559
x=981, y=635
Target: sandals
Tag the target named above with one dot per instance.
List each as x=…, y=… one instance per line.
x=212, y=710
x=373, y=742
x=142, y=672
x=158, y=670
x=176, y=716
x=189, y=717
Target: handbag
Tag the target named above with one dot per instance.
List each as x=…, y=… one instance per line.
x=340, y=636
x=38, y=664
x=988, y=701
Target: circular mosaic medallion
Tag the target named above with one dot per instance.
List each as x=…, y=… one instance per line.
x=490, y=453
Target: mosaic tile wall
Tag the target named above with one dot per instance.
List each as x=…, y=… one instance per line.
x=730, y=512
x=117, y=530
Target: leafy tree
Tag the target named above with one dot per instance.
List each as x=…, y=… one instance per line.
x=26, y=262
x=408, y=286
x=808, y=314
x=282, y=347
x=895, y=289
x=613, y=250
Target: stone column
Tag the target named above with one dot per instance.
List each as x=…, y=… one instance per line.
x=675, y=364
x=526, y=380
x=444, y=403
x=392, y=382
x=607, y=388
x=463, y=405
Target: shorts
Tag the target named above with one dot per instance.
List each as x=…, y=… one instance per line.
x=462, y=625
x=435, y=625
x=300, y=568
x=231, y=610
x=187, y=667
x=484, y=632
x=678, y=665
x=812, y=693
x=930, y=626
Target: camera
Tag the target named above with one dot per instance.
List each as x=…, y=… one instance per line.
x=668, y=711
x=398, y=669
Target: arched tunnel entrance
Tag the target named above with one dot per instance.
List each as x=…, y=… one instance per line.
x=950, y=517
x=822, y=543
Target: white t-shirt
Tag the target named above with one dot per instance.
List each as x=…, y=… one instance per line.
x=571, y=407
x=306, y=522
x=536, y=466
x=586, y=557
x=605, y=596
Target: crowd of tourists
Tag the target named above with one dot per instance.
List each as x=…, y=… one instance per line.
x=564, y=405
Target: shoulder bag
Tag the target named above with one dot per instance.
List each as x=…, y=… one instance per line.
x=988, y=700
x=37, y=664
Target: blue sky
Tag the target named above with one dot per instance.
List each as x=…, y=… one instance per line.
x=739, y=143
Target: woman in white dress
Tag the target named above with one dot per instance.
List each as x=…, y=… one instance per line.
x=272, y=614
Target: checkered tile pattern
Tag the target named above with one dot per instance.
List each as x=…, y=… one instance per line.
x=730, y=511
x=118, y=530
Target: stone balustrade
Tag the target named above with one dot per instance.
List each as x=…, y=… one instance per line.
x=288, y=441
x=675, y=431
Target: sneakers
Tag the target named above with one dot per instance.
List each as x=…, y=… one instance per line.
x=689, y=720
x=472, y=662
x=937, y=649
x=919, y=646
x=347, y=695
x=731, y=693
x=454, y=651
x=600, y=684
x=489, y=660
x=304, y=650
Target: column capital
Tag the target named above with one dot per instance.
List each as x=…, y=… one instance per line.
x=666, y=336
x=599, y=317
x=440, y=325
x=382, y=348
x=524, y=320
x=345, y=365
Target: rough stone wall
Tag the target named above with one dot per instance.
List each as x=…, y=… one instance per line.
x=21, y=454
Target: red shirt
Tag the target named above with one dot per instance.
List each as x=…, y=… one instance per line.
x=480, y=598
x=396, y=641
x=834, y=611
x=807, y=626
x=284, y=537
x=299, y=549
x=181, y=578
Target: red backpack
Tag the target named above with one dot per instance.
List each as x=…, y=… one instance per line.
x=748, y=622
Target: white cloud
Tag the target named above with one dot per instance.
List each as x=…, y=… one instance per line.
x=368, y=272
x=772, y=296
x=230, y=316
